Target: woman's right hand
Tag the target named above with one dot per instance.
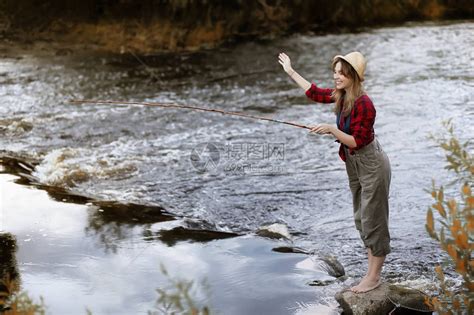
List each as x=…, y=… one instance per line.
x=285, y=61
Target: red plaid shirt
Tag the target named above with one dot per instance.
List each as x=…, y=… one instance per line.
x=362, y=117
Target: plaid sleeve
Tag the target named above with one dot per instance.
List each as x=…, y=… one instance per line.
x=319, y=95
x=362, y=121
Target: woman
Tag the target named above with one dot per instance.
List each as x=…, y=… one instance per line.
x=367, y=166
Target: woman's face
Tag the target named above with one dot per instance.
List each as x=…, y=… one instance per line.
x=341, y=81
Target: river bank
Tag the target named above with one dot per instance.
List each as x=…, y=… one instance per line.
x=148, y=27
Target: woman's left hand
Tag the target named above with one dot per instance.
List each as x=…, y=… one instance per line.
x=322, y=129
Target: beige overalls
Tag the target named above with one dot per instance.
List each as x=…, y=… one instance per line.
x=369, y=180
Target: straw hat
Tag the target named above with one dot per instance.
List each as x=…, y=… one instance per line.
x=357, y=61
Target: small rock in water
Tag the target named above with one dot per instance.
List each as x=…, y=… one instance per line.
x=334, y=267
x=287, y=249
x=320, y=283
x=327, y=264
x=276, y=230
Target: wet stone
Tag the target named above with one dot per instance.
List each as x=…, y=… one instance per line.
x=288, y=249
x=274, y=231
x=320, y=283
x=374, y=302
x=386, y=299
x=334, y=267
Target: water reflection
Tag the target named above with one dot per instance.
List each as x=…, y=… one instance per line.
x=178, y=234
x=9, y=274
x=112, y=222
x=60, y=259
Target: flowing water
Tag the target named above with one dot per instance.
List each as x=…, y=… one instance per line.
x=222, y=173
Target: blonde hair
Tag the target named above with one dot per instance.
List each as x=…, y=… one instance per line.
x=345, y=100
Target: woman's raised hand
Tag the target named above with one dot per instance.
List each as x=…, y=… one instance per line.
x=285, y=61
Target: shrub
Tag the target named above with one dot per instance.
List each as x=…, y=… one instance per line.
x=455, y=234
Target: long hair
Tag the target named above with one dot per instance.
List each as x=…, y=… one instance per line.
x=345, y=100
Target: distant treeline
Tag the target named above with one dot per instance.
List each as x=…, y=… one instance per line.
x=154, y=25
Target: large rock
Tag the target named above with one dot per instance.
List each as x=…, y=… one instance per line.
x=374, y=302
x=377, y=302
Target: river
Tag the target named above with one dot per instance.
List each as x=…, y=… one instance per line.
x=211, y=172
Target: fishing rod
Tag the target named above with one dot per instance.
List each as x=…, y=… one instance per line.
x=175, y=105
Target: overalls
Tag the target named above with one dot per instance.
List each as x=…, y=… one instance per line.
x=369, y=175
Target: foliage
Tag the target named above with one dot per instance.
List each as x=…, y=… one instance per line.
x=177, y=299
x=455, y=235
x=13, y=302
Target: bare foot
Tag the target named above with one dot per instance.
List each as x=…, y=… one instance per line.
x=366, y=284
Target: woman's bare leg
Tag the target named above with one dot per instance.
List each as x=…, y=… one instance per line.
x=372, y=279
x=369, y=258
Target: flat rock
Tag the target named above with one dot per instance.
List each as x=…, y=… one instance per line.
x=377, y=302
x=374, y=302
